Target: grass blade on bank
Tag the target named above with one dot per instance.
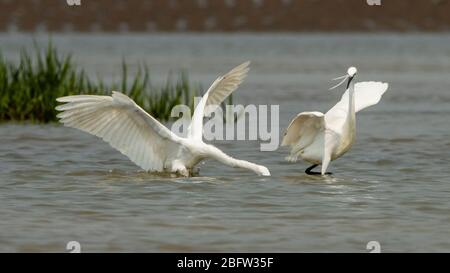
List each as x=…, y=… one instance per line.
x=28, y=90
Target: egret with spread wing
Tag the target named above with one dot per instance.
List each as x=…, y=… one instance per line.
x=122, y=123
x=320, y=138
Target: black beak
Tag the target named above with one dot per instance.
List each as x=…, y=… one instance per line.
x=349, y=81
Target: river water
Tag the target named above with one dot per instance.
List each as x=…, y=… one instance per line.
x=59, y=185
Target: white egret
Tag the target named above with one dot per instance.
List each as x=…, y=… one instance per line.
x=122, y=123
x=320, y=138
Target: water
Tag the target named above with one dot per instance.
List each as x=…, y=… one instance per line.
x=58, y=184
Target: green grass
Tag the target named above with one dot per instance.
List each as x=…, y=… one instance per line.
x=28, y=90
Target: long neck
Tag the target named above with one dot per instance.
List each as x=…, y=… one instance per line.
x=351, y=105
x=348, y=131
x=235, y=163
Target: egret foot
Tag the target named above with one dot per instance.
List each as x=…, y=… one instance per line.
x=310, y=172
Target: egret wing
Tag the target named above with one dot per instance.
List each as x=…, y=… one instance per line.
x=366, y=95
x=303, y=128
x=302, y=131
x=118, y=120
x=221, y=88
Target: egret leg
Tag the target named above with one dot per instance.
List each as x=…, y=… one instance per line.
x=310, y=172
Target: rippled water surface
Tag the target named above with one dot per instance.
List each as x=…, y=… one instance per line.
x=58, y=184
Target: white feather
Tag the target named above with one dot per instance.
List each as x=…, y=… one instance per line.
x=119, y=121
x=319, y=138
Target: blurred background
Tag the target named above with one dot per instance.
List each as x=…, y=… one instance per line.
x=224, y=15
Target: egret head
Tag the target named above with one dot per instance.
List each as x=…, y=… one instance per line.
x=351, y=72
x=263, y=171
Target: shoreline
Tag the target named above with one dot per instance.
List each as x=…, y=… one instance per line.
x=225, y=16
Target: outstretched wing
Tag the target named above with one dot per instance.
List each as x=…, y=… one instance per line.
x=366, y=95
x=302, y=131
x=118, y=120
x=303, y=128
x=221, y=88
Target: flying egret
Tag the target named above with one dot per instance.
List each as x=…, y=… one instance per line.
x=320, y=138
x=122, y=123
